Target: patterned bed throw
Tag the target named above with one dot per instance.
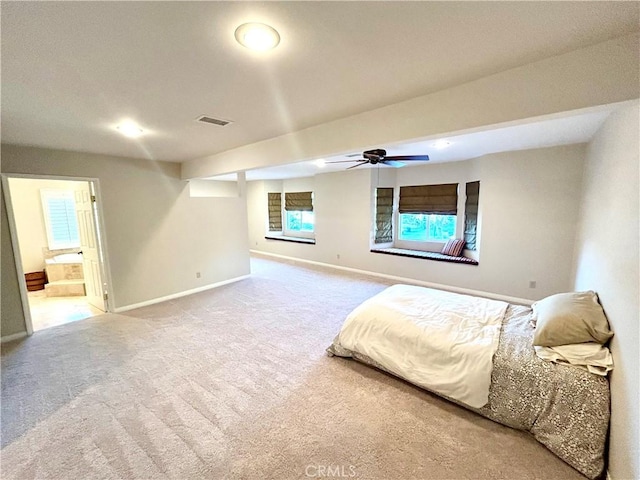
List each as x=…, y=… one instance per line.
x=437, y=340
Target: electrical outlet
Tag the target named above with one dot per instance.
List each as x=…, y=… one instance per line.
x=197, y=274
x=532, y=284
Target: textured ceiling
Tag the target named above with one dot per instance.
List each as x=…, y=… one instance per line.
x=72, y=70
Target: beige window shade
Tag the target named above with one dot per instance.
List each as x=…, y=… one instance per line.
x=275, y=212
x=471, y=215
x=384, y=215
x=298, y=201
x=439, y=199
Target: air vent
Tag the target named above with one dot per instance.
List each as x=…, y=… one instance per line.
x=214, y=121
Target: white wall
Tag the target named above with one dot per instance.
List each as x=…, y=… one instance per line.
x=30, y=225
x=212, y=188
x=607, y=262
x=157, y=236
x=529, y=202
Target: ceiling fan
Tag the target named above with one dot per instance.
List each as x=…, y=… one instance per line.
x=379, y=155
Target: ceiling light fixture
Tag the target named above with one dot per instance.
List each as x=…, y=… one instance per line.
x=257, y=36
x=440, y=144
x=320, y=163
x=129, y=129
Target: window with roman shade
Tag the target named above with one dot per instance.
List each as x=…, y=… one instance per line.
x=299, y=219
x=429, y=199
x=298, y=201
x=384, y=215
x=471, y=215
x=427, y=213
x=275, y=211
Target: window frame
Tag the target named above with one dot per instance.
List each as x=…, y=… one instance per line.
x=45, y=196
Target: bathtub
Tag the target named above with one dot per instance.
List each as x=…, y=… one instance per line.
x=65, y=275
x=64, y=258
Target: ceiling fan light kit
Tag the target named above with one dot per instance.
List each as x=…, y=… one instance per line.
x=379, y=156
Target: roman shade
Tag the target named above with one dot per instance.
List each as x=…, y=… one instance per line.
x=275, y=212
x=431, y=199
x=384, y=215
x=471, y=215
x=298, y=201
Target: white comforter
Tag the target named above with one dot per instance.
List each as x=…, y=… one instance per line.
x=437, y=340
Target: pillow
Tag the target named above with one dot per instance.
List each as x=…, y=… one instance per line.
x=453, y=247
x=568, y=318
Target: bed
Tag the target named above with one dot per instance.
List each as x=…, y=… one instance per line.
x=405, y=331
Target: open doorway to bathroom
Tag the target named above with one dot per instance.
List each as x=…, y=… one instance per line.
x=57, y=238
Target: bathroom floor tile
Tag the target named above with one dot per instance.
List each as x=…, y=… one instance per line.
x=52, y=311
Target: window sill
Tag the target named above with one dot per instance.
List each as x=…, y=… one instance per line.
x=282, y=238
x=439, y=257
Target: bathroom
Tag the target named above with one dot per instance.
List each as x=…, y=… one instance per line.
x=48, y=232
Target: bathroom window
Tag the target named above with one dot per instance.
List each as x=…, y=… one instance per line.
x=60, y=219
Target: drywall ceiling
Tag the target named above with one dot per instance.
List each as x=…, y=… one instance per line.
x=72, y=70
x=548, y=132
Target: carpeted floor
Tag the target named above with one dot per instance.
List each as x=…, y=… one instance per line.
x=234, y=383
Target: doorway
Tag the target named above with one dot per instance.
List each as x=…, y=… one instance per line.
x=55, y=230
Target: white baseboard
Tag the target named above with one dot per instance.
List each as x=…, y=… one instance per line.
x=449, y=288
x=15, y=336
x=178, y=295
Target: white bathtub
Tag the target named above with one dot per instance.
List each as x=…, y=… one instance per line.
x=64, y=258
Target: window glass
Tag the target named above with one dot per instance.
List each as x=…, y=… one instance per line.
x=60, y=219
x=421, y=227
x=298, y=221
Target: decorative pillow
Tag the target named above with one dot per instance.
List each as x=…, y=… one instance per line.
x=568, y=318
x=453, y=247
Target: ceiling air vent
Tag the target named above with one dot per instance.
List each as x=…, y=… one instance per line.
x=214, y=121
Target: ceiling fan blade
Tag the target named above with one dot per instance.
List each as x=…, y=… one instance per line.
x=409, y=158
x=392, y=163
x=348, y=161
x=362, y=162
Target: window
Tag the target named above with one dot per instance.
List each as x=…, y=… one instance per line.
x=299, y=218
x=300, y=221
x=428, y=213
x=60, y=219
x=420, y=227
x=296, y=219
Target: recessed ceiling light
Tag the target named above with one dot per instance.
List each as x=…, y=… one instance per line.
x=130, y=129
x=440, y=144
x=257, y=36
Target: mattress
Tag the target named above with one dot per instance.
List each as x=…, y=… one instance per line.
x=565, y=408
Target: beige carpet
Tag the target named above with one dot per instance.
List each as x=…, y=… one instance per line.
x=234, y=383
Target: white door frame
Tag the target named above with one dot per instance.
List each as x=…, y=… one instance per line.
x=100, y=234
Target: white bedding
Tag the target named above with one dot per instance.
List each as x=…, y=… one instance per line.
x=438, y=340
x=593, y=357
